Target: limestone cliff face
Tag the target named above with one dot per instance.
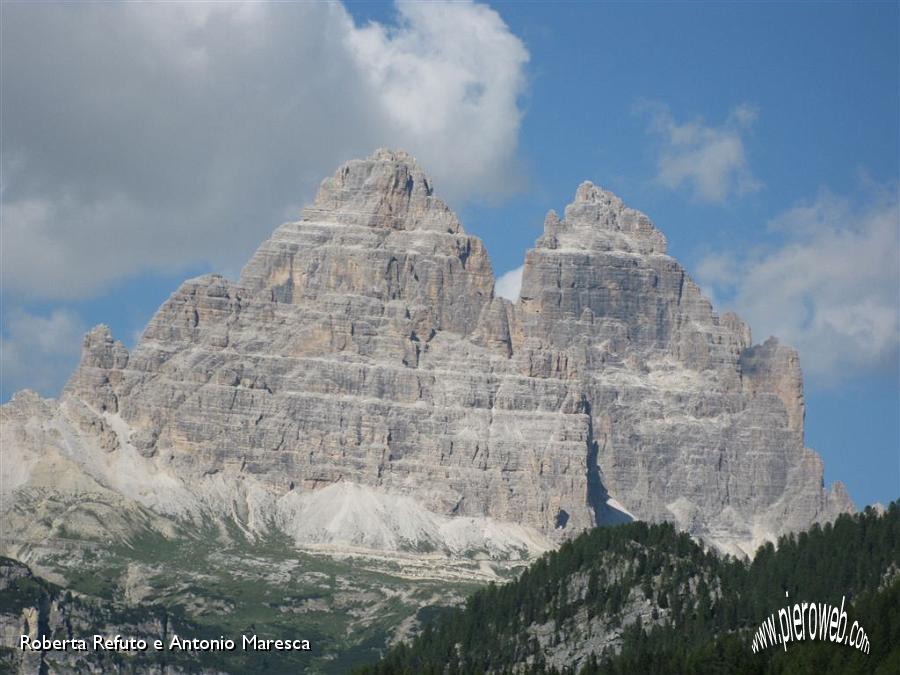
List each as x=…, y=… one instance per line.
x=363, y=346
x=690, y=421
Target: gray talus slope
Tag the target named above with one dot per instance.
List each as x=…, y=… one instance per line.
x=360, y=384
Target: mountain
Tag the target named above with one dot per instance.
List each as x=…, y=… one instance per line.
x=360, y=417
x=641, y=598
x=361, y=385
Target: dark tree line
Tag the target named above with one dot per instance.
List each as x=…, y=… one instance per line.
x=706, y=606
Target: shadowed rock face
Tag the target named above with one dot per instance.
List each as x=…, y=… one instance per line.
x=363, y=345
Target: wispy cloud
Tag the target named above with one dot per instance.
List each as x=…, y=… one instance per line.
x=830, y=289
x=39, y=351
x=154, y=136
x=710, y=161
x=509, y=284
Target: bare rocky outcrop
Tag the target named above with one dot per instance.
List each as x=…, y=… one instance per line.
x=361, y=372
x=33, y=607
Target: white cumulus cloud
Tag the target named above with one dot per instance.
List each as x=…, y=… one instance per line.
x=153, y=136
x=708, y=160
x=831, y=289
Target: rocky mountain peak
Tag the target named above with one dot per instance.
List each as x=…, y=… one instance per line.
x=598, y=220
x=363, y=366
x=589, y=193
x=387, y=189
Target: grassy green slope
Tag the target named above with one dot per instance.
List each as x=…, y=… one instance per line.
x=347, y=608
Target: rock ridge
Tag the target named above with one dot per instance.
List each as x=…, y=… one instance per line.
x=363, y=348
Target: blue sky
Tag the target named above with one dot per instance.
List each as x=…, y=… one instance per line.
x=761, y=138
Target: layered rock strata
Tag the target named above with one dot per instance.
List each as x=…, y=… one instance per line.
x=361, y=384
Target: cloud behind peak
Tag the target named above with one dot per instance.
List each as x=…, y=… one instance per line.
x=146, y=137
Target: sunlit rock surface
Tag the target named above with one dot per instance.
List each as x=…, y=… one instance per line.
x=361, y=385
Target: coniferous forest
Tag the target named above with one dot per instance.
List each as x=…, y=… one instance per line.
x=668, y=605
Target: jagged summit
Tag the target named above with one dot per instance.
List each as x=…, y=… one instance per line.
x=391, y=155
x=599, y=220
x=376, y=231
x=363, y=350
x=388, y=189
